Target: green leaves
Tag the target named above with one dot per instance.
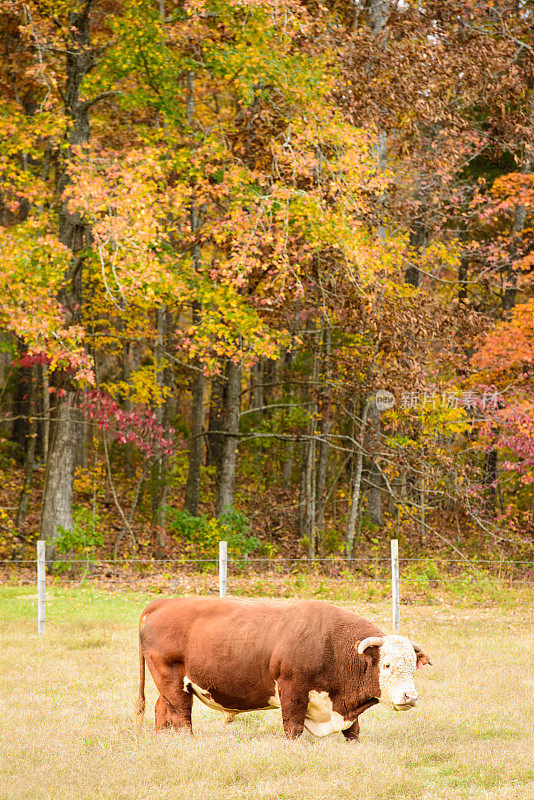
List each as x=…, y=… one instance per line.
x=86, y=534
x=204, y=533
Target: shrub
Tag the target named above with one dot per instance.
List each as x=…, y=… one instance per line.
x=333, y=541
x=204, y=533
x=86, y=534
x=234, y=526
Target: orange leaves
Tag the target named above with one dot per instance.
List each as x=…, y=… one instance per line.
x=510, y=346
x=517, y=188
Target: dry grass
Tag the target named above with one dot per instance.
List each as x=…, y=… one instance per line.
x=67, y=732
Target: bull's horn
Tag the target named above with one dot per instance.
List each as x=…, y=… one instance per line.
x=371, y=641
x=416, y=647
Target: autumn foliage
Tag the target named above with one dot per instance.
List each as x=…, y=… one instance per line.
x=225, y=225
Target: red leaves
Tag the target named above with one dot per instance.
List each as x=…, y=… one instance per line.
x=128, y=427
x=33, y=359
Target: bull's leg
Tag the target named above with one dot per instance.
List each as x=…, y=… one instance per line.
x=178, y=706
x=352, y=734
x=162, y=720
x=294, y=702
x=174, y=705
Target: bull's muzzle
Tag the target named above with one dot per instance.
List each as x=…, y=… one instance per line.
x=409, y=699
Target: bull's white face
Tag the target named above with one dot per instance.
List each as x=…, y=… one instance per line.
x=397, y=665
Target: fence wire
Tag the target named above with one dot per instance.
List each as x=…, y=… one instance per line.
x=244, y=560
x=358, y=568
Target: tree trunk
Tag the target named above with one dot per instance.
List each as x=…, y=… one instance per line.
x=21, y=407
x=256, y=385
x=196, y=448
x=462, y=279
x=356, y=483
x=309, y=476
x=374, y=488
x=198, y=383
x=490, y=478
x=126, y=373
x=22, y=510
x=80, y=459
x=376, y=14
x=46, y=410
x=268, y=370
x=308, y=529
x=58, y=489
x=57, y=499
x=325, y=427
x=422, y=526
x=520, y=218
x=417, y=242
x=287, y=470
x=322, y=469
x=231, y=411
x=159, y=483
x=214, y=439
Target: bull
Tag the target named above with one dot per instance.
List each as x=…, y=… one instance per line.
x=323, y=666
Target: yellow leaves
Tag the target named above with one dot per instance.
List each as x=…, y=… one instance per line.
x=442, y=419
x=438, y=256
x=33, y=264
x=88, y=480
x=143, y=386
x=23, y=141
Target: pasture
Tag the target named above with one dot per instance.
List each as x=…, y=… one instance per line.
x=67, y=726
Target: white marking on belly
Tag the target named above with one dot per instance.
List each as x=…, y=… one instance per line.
x=274, y=701
x=206, y=697
x=228, y=713
x=321, y=719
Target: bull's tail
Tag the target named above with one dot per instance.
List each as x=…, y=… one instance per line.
x=140, y=704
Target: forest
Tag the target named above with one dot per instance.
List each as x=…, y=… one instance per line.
x=267, y=276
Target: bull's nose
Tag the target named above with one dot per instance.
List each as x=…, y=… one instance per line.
x=410, y=698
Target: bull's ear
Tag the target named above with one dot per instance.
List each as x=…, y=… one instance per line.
x=423, y=659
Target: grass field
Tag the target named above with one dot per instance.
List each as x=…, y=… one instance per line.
x=67, y=701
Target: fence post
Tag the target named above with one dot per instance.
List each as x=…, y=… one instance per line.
x=41, y=586
x=223, y=567
x=395, y=601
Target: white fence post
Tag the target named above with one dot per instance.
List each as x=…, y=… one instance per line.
x=395, y=601
x=41, y=586
x=223, y=568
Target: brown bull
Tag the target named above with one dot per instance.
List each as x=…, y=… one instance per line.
x=322, y=665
